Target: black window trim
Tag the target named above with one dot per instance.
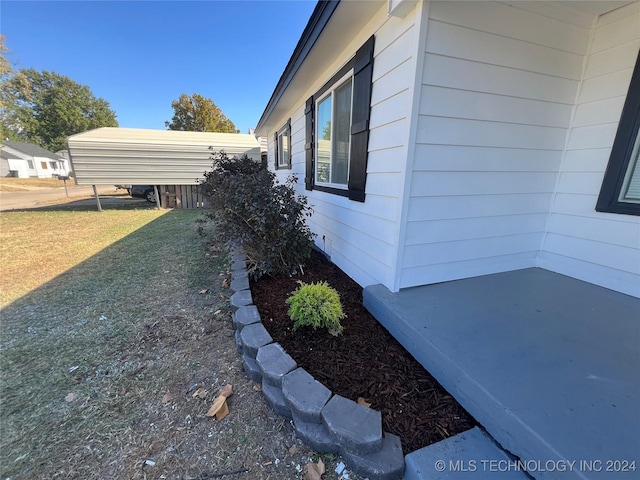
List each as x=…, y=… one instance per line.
x=286, y=128
x=626, y=135
x=362, y=66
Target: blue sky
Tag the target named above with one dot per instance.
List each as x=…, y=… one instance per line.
x=140, y=56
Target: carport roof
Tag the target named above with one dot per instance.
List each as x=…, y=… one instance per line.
x=135, y=156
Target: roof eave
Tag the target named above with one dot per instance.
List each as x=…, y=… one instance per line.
x=318, y=20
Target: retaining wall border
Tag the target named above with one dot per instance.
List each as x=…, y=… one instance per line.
x=328, y=423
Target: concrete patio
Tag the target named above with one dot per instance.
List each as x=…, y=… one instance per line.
x=547, y=364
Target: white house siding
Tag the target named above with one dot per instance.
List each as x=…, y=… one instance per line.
x=499, y=85
x=362, y=238
x=601, y=248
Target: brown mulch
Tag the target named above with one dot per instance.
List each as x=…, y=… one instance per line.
x=365, y=361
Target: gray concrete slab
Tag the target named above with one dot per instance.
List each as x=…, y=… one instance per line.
x=548, y=364
x=469, y=455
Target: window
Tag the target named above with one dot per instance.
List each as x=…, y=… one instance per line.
x=30, y=164
x=54, y=165
x=337, y=129
x=44, y=165
x=333, y=131
x=283, y=146
x=620, y=191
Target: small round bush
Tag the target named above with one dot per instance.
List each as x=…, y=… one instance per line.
x=316, y=305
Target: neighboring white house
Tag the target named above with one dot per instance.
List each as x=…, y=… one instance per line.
x=26, y=160
x=440, y=140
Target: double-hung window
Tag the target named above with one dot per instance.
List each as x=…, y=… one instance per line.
x=620, y=191
x=283, y=146
x=337, y=129
x=333, y=134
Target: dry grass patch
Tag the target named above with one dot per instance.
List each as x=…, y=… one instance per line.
x=37, y=246
x=99, y=363
x=12, y=184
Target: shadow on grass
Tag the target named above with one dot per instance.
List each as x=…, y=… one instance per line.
x=67, y=346
x=108, y=202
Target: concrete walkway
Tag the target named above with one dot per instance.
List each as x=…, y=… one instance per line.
x=38, y=197
x=549, y=365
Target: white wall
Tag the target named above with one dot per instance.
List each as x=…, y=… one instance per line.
x=20, y=166
x=498, y=88
x=601, y=248
x=362, y=238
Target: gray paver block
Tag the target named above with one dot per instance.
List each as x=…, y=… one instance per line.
x=306, y=396
x=238, y=265
x=240, y=299
x=315, y=435
x=244, y=316
x=238, y=256
x=354, y=427
x=251, y=368
x=236, y=274
x=253, y=337
x=238, y=341
x=385, y=464
x=276, y=399
x=274, y=364
x=239, y=284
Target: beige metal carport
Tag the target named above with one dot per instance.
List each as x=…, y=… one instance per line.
x=173, y=161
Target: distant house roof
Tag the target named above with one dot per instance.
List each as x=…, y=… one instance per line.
x=28, y=149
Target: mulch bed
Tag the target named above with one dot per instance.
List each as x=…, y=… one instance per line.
x=365, y=361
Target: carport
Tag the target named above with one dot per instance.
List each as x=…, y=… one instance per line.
x=172, y=161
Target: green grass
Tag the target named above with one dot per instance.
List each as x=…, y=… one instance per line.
x=82, y=292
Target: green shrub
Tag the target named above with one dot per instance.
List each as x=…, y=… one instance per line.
x=316, y=305
x=249, y=208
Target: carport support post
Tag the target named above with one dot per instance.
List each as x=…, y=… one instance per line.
x=155, y=190
x=95, y=192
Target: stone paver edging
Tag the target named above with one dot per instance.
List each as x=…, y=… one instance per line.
x=326, y=422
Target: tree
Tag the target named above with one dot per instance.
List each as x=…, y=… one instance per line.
x=199, y=114
x=45, y=108
x=6, y=72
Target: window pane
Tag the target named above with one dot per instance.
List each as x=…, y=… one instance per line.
x=341, y=134
x=284, y=150
x=323, y=134
x=630, y=191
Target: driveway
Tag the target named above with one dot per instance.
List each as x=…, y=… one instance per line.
x=41, y=197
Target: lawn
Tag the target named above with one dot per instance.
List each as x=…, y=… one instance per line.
x=13, y=184
x=104, y=315
x=38, y=246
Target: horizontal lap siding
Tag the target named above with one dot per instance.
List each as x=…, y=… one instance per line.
x=498, y=90
x=362, y=238
x=601, y=248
